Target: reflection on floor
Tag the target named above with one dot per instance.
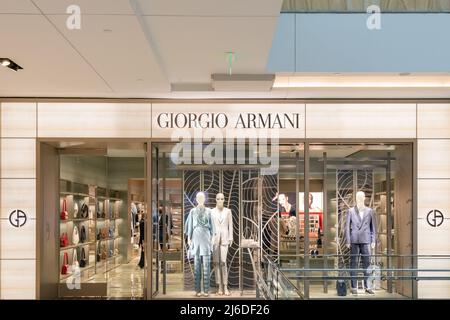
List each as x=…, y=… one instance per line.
x=126, y=281
x=175, y=290
x=316, y=292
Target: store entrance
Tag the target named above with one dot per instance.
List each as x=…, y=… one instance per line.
x=250, y=231
x=93, y=207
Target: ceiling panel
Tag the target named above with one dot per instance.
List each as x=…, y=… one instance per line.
x=86, y=6
x=17, y=7
x=211, y=7
x=120, y=54
x=49, y=63
x=195, y=47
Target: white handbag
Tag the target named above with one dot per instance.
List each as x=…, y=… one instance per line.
x=75, y=236
x=75, y=210
x=75, y=258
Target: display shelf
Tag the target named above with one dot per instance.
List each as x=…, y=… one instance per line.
x=77, y=220
x=108, y=239
x=85, y=195
x=76, y=246
x=66, y=276
x=115, y=199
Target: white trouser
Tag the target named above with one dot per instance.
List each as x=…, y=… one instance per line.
x=221, y=273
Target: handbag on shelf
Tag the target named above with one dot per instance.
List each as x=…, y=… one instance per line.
x=116, y=252
x=111, y=253
x=64, y=214
x=99, y=235
x=74, y=259
x=83, y=236
x=65, y=264
x=75, y=210
x=111, y=232
x=83, y=261
x=75, y=235
x=63, y=240
x=104, y=233
x=341, y=287
x=84, y=210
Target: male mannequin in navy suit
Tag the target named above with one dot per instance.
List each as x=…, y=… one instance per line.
x=360, y=234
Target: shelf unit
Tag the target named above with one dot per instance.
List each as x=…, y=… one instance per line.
x=98, y=200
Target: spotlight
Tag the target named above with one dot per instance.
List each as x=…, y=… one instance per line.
x=6, y=62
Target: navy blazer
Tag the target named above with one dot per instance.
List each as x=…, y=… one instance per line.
x=360, y=231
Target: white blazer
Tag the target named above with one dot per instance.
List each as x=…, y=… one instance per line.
x=223, y=227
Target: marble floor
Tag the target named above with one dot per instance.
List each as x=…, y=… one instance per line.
x=126, y=281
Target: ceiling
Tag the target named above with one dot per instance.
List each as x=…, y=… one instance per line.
x=141, y=48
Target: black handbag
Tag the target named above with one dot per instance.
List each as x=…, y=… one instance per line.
x=341, y=288
x=84, y=211
x=83, y=234
x=83, y=261
x=98, y=257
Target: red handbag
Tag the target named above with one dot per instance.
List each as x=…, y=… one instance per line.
x=65, y=265
x=63, y=240
x=64, y=213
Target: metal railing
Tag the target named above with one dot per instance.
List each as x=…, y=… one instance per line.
x=285, y=277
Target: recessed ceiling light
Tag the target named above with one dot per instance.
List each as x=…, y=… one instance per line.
x=8, y=63
x=107, y=30
x=404, y=74
x=5, y=62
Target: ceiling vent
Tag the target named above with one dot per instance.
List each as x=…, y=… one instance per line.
x=242, y=82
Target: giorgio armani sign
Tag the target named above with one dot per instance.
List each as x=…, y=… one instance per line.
x=220, y=120
x=287, y=119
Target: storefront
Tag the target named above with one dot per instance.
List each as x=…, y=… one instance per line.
x=266, y=159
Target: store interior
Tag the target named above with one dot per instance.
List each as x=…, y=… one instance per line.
x=100, y=201
x=94, y=204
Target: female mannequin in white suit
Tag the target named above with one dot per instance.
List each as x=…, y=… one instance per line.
x=222, y=240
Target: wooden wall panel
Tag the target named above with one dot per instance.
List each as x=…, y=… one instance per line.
x=18, y=158
x=433, y=121
x=434, y=158
x=433, y=194
x=18, y=194
x=18, y=120
x=18, y=243
x=433, y=240
x=434, y=289
x=346, y=121
x=94, y=120
x=18, y=279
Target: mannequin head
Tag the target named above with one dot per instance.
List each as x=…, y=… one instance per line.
x=360, y=198
x=220, y=199
x=282, y=199
x=200, y=199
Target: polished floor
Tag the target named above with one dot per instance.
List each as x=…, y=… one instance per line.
x=126, y=281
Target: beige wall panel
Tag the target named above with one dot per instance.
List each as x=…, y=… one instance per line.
x=18, y=120
x=433, y=121
x=94, y=120
x=234, y=125
x=434, y=289
x=18, y=158
x=433, y=194
x=433, y=240
x=18, y=194
x=375, y=121
x=18, y=279
x=18, y=243
x=434, y=159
